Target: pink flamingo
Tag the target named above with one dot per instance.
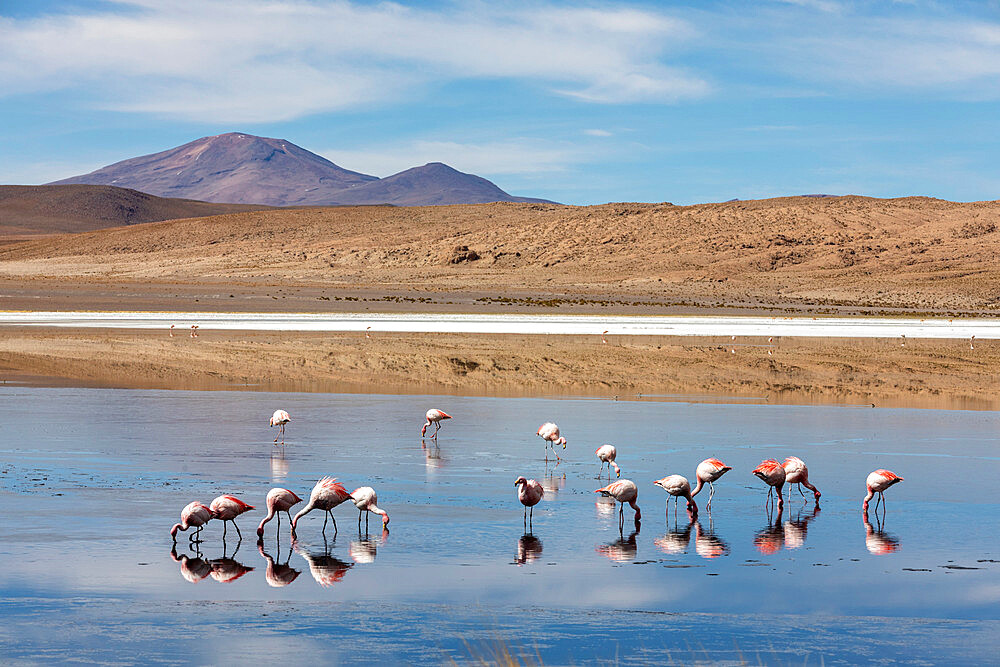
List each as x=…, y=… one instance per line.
x=326, y=495
x=194, y=515
x=607, y=454
x=365, y=500
x=278, y=500
x=624, y=491
x=279, y=419
x=678, y=486
x=878, y=482
x=434, y=416
x=368, y=334
x=549, y=432
x=709, y=471
x=172, y=330
x=226, y=509
x=773, y=474
x=529, y=492
x=604, y=338
x=796, y=472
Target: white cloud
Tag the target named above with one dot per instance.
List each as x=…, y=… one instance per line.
x=249, y=60
x=598, y=133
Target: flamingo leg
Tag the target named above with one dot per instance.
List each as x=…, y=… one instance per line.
x=800, y=489
x=326, y=517
x=531, y=515
x=334, y=520
x=711, y=492
x=526, y=516
x=237, y=530
x=225, y=526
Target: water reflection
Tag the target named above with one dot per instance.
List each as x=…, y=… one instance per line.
x=795, y=529
x=324, y=567
x=227, y=570
x=279, y=466
x=622, y=550
x=432, y=456
x=605, y=508
x=529, y=549
x=771, y=538
x=552, y=483
x=278, y=574
x=193, y=569
x=706, y=543
x=364, y=549
x=877, y=541
x=676, y=540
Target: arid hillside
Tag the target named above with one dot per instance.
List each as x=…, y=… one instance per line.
x=916, y=254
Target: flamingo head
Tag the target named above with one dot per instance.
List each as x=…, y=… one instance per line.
x=520, y=480
x=385, y=519
x=173, y=531
x=562, y=441
x=260, y=532
x=423, y=431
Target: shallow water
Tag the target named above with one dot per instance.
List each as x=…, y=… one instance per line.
x=92, y=479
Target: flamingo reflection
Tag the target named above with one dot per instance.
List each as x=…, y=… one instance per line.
x=622, y=550
x=432, y=455
x=676, y=539
x=795, y=529
x=192, y=569
x=771, y=538
x=364, y=549
x=529, y=549
x=227, y=570
x=279, y=466
x=707, y=544
x=877, y=541
x=552, y=484
x=324, y=567
x=277, y=574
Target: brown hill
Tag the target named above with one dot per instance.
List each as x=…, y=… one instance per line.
x=871, y=254
x=28, y=210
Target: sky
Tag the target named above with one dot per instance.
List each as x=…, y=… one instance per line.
x=578, y=102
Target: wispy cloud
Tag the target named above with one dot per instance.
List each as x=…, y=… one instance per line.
x=255, y=61
x=598, y=133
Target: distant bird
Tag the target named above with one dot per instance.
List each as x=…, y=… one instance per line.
x=278, y=500
x=194, y=331
x=796, y=472
x=172, y=330
x=529, y=492
x=972, y=343
x=549, y=432
x=276, y=574
x=368, y=333
x=678, y=486
x=434, y=416
x=878, y=482
x=773, y=474
x=607, y=454
x=279, y=419
x=194, y=515
x=327, y=494
x=902, y=340
x=709, y=471
x=624, y=491
x=226, y=509
x=365, y=500
x=604, y=337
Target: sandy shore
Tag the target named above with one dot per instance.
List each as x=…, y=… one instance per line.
x=923, y=373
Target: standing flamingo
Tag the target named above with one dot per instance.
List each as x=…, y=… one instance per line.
x=529, y=492
x=624, y=491
x=604, y=337
x=709, y=470
x=226, y=509
x=773, y=475
x=278, y=500
x=607, y=454
x=279, y=419
x=435, y=417
x=193, y=515
x=549, y=432
x=878, y=482
x=796, y=472
x=678, y=486
x=365, y=500
x=327, y=494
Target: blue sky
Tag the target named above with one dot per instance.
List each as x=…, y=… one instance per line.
x=578, y=102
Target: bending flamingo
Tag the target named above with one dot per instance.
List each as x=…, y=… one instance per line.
x=549, y=432
x=435, y=417
x=878, y=482
x=194, y=515
x=365, y=500
x=624, y=491
x=529, y=492
x=709, y=471
x=226, y=509
x=327, y=494
x=773, y=475
x=279, y=419
x=607, y=454
x=678, y=486
x=796, y=472
x=278, y=500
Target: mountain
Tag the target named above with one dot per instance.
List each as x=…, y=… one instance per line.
x=240, y=168
x=28, y=210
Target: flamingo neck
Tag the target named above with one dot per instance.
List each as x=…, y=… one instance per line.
x=176, y=527
x=697, y=487
x=305, y=510
x=270, y=515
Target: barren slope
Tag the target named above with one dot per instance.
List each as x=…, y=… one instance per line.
x=914, y=253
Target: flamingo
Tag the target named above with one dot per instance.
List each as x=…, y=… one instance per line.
x=327, y=494
x=279, y=419
x=529, y=492
x=368, y=334
x=549, y=432
x=796, y=472
x=607, y=454
x=278, y=500
x=877, y=482
x=709, y=470
x=773, y=475
x=604, y=338
x=226, y=509
x=434, y=416
x=678, y=486
x=193, y=515
x=624, y=491
x=172, y=330
x=365, y=500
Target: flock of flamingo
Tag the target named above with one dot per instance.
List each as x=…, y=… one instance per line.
x=328, y=493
